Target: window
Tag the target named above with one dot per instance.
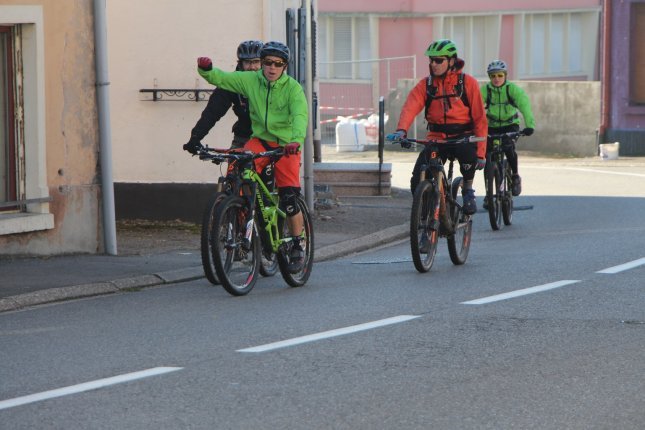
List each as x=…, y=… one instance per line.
x=476, y=37
x=7, y=136
x=343, y=42
x=24, y=194
x=558, y=45
x=637, y=55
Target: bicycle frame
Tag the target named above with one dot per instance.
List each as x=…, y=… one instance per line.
x=249, y=184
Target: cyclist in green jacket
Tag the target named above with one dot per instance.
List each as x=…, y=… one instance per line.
x=504, y=101
x=279, y=117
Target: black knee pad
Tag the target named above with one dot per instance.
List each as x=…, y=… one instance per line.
x=288, y=200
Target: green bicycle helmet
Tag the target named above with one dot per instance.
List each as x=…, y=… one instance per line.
x=442, y=48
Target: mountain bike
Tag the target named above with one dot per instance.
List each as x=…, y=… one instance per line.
x=437, y=208
x=499, y=179
x=247, y=225
x=227, y=184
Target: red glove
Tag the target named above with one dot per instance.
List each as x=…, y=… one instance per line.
x=291, y=148
x=204, y=63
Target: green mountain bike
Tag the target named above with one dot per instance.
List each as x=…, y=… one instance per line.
x=228, y=184
x=246, y=225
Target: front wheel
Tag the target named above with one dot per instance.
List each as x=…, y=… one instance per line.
x=424, y=225
x=208, y=222
x=493, y=196
x=459, y=241
x=236, y=254
x=300, y=278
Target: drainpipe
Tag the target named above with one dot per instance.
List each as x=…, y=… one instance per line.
x=309, y=150
x=606, y=75
x=105, y=136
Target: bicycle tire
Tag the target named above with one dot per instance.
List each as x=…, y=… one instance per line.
x=422, y=217
x=208, y=263
x=507, y=200
x=459, y=240
x=269, y=265
x=298, y=279
x=493, y=182
x=236, y=265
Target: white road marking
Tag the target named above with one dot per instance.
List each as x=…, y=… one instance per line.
x=517, y=293
x=623, y=267
x=330, y=333
x=87, y=386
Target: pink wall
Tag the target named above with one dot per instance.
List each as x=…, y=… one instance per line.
x=472, y=6
x=403, y=37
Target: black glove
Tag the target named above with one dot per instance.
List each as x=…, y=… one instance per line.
x=528, y=131
x=193, y=146
x=406, y=143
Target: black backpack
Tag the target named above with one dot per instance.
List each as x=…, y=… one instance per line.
x=431, y=92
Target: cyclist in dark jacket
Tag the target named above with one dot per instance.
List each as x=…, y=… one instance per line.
x=248, y=58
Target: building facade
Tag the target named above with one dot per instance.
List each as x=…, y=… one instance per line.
x=50, y=188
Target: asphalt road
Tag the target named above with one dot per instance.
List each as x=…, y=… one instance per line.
x=543, y=327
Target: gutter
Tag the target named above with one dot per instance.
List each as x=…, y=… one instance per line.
x=105, y=134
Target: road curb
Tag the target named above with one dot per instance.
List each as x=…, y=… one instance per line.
x=362, y=243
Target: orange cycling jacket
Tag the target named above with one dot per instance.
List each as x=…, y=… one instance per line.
x=450, y=110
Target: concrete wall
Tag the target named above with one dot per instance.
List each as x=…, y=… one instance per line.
x=567, y=115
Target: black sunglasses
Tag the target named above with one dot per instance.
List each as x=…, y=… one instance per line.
x=273, y=63
x=437, y=60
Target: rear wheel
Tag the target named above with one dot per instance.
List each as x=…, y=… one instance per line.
x=493, y=198
x=459, y=241
x=507, y=201
x=424, y=227
x=300, y=278
x=208, y=221
x=237, y=259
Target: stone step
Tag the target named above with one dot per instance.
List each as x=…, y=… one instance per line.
x=354, y=179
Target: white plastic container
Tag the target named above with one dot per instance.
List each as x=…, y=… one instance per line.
x=609, y=151
x=350, y=136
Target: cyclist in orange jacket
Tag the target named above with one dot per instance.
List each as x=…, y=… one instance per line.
x=453, y=109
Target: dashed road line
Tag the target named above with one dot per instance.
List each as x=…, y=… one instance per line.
x=518, y=293
x=623, y=267
x=87, y=386
x=330, y=333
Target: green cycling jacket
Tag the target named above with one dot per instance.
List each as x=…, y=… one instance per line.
x=500, y=111
x=278, y=110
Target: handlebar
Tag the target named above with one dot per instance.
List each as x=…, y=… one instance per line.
x=220, y=155
x=458, y=141
x=510, y=134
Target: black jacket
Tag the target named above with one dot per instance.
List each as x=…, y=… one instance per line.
x=218, y=104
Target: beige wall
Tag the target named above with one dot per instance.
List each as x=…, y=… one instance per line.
x=158, y=41
x=567, y=116
x=68, y=127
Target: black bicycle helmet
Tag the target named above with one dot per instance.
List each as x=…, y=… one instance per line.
x=277, y=49
x=249, y=49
